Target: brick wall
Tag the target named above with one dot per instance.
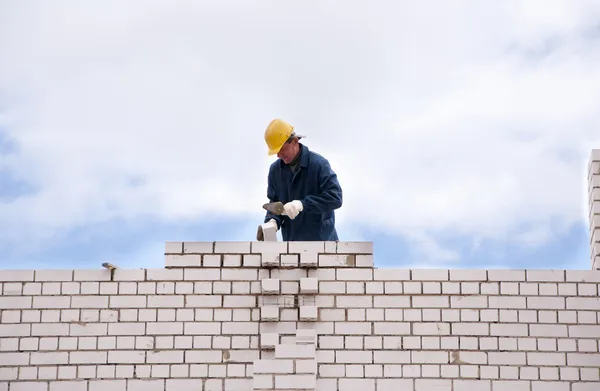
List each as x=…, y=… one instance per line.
x=278, y=316
x=594, y=204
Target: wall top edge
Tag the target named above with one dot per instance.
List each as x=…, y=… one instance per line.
x=253, y=247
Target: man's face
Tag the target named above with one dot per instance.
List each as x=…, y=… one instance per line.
x=288, y=152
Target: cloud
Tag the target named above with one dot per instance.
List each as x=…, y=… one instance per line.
x=464, y=120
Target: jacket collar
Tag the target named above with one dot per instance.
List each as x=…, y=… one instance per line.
x=304, y=156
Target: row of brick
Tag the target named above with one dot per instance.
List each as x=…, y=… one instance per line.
x=323, y=274
x=290, y=314
x=146, y=342
x=480, y=329
x=324, y=302
x=290, y=284
x=237, y=371
x=316, y=247
x=288, y=261
x=127, y=371
x=325, y=342
x=346, y=356
x=341, y=384
x=131, y=315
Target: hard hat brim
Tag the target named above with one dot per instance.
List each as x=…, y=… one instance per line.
x=275, y=151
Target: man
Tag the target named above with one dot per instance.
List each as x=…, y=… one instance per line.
x=306, y=185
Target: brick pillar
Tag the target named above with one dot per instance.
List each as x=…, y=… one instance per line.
x=594, y=204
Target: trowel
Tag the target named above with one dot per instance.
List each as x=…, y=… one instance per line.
x=274, y=207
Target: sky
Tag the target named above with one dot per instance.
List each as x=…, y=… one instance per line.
x=460, y=131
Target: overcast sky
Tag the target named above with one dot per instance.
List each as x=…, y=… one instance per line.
x=460, y=131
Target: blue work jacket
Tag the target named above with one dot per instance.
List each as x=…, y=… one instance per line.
x=316, y=185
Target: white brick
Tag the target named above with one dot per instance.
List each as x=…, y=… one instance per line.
x=273, y=366
x=387, y=274
x=545, y=275
x=365, y=260
x=270, y=260
x=29, y=386
x=583, y=276
x=470, y=329
x=468, y=275
x=129, y=275
x=306, y=336
x=391, y=328
x=507, y=302
x=269, y=313
x=269, y=247
x=354, y=248
x=354, y=274
x=92, y=275
x=309, y=285
x=430, y=275
x=506, y=275
x=554, y=386
x=351, y=301
x=583, y=303
x=263, y=382
x=308, y=260
x=173, y=247
x=336, y=260
x=239, y=274
x=385, y=301
x=295, y=382
x=510, y=385
x=188, y=260
x=164, y=274
x=251, y=260
x=22, y=302
x=306, y=367
x=127, y=301
x=239, y=301
x=232, y=260
x=196, y=248
x=287, y=351
x=289, y=260
x=232, y=248
x=352, y=328
x=17, y=275
x=167, y=301
x=54, y=275
x=430, y=302
x=270, y=286
x=269, y=340
x=308, y=313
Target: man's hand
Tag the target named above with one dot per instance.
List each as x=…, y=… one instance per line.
x=293, y=208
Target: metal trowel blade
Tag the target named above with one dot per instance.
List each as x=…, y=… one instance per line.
x=274, y=207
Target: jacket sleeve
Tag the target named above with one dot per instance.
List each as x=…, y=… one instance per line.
x=330, y=196
x=272, y=196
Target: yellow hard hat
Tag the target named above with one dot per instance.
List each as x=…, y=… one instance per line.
x=277, y=133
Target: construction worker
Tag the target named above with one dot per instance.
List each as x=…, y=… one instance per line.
x=306, y=185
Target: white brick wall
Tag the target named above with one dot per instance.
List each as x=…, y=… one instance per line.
x=315, y=315
x=594, y=205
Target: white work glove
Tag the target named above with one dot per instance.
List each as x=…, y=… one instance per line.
x=293, y=208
